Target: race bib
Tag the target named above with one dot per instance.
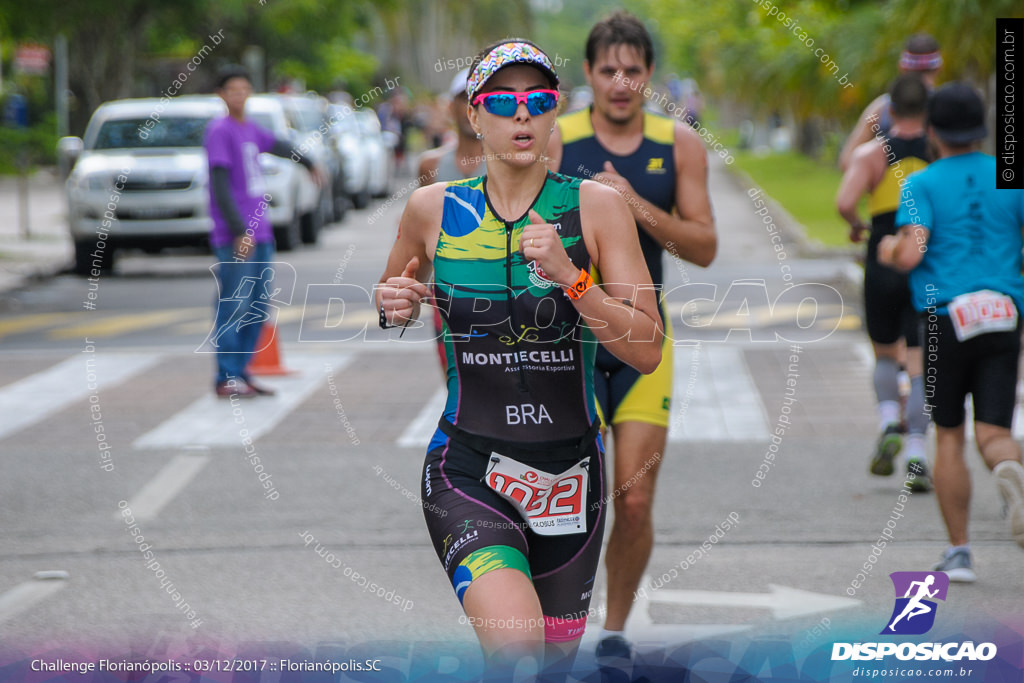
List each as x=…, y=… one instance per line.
x=552, y=504
x=982, y=312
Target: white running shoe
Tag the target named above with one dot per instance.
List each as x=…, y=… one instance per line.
x=1010, y=478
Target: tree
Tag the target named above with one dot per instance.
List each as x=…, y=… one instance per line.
x=105, y=37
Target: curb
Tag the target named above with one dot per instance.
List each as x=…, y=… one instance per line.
x=31, y=272
x=793, y=230
x=26, y=262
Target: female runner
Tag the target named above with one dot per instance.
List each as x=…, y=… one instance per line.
x=516, y=460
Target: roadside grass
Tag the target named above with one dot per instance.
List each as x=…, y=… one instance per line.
x=805, y=187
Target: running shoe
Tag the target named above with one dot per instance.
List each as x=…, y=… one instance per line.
x=234, y=388
x=957, y=566
x=889, y=445
x=918, y=479
x=613, y=648
x=260, y=389
x=1010, y=478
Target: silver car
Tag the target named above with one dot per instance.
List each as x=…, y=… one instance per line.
x=140, y=178
x=296, y=210
x=347, y=139
x=368, y=153
x=380, y=146
x=307, y=114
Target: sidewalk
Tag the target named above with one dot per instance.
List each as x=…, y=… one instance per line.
x=48, y=249
x=746, y=230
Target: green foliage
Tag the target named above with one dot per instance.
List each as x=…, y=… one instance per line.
x=736, y=49
x=806, y=188
x=35, y=145
x=563, y=33
x=341, y=64
x=739, y=49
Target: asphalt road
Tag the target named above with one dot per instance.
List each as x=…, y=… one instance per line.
x=230, y=566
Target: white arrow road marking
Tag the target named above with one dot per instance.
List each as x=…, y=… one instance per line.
x=419, y=431
x=36, y=397
x=646, y=635
x=212, y=421
x=24, y=595
x=167, y=483
x=784, y=602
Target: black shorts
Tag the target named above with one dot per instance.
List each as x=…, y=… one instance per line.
x=984, y=367
x=474, y=530
x=888, y=311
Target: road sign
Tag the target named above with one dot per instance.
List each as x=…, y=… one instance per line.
x=32, y=59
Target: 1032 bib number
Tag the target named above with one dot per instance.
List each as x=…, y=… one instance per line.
x=552, y=504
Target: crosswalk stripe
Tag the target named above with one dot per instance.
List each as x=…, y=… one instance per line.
x=213, y=421
x=419, y=431
x=24, y=595
x=714, y=397
x=36, y=397
x=163, y=487
x=114, y=325
x=862, y=350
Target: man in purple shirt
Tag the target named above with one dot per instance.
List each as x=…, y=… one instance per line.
x=242, y=238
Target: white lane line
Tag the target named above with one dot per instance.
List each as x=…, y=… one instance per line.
x=25, y=595
x=693, y=387
x=167, y=483
x=722, y=403
x=864, y=353
x=212, y=421
x=419, y=431
x=745, y=416
x=648, y=636
x=34, y=398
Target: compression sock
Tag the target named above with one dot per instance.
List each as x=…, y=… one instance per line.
x=915, y=447
x=887, y=391
x=917, y=418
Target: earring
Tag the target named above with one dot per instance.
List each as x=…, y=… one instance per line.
x=479, y=136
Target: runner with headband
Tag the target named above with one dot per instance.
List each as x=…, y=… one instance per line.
x=921, y=56
x=878, y=169
x=517, y=461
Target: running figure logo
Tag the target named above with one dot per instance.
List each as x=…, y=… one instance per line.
x=251, y=297
x=914, y=613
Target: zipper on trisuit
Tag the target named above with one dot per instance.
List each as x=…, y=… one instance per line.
x=513, y=319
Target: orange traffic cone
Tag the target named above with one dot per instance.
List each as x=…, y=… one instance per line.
x=267, y=359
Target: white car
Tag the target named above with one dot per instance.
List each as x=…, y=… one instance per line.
x=295, y=207
x=307, y=114
x=347, y=138
x=380, y=146
x=136, y=183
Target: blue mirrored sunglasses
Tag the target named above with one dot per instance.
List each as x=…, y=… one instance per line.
x=506, y=103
